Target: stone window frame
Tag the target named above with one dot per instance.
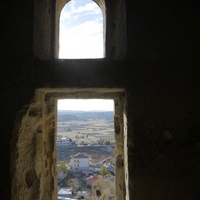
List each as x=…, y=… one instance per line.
x=33, y=149
x=46, y=28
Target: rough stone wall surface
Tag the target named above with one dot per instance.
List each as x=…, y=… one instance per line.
x=161, y=79
x=33, y=150
x=33, y=161
x=25, y=153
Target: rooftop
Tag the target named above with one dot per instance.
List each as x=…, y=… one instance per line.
x=65, y=191
x=80, y=155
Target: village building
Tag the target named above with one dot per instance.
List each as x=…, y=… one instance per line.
x=97, y=186
x=79, y=161
x=81, y=194
x=65, y=192
x=103, y=188
x=63, y=141
x=91, y=179
x=96, y=183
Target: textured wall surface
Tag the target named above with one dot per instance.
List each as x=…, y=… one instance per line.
x=160, y=74
x=33, y=150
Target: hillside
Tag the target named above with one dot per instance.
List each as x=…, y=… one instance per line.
x=65, y=116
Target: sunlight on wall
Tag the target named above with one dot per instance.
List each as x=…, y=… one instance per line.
x=81, y=30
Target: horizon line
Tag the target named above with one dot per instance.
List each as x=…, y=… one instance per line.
x=85, y=110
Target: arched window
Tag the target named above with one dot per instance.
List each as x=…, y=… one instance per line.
x=47, y=25
x=81, y=30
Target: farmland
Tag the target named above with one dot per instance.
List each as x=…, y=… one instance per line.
x=89, y=132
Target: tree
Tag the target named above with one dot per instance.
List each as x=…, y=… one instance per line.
x=110, y=138
x=62, y=166
x=103, y=171
x=107, y=142
x=71, y=182
x=79, y=189
x=101, y=141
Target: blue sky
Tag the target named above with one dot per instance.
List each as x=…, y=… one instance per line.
x=86, y=104
x=81, y=30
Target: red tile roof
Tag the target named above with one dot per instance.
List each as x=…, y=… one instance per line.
x=80, y=155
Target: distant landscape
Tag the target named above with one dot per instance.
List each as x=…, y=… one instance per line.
x=86, y=129
x=90, y=133
x=65, y=116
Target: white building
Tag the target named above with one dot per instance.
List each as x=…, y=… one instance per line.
x=80, y=160
x=65, y=192
x=81, y=194
x=63, y=141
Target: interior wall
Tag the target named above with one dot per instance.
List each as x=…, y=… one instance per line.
x=161, y=78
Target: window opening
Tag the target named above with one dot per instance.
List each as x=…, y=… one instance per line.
x=81, y=30
x=35, y=139
x=86, y=165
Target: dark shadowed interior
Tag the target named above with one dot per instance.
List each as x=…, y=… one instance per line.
x=151, y=68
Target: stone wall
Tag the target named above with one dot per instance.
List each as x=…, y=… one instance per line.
x=33, y=150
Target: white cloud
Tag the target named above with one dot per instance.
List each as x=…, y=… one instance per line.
x=82, y=41
x=88, y=7
x=75, y=12
x=89, y=27
x=72, y=4
x=65, y=15
x=74, y=8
